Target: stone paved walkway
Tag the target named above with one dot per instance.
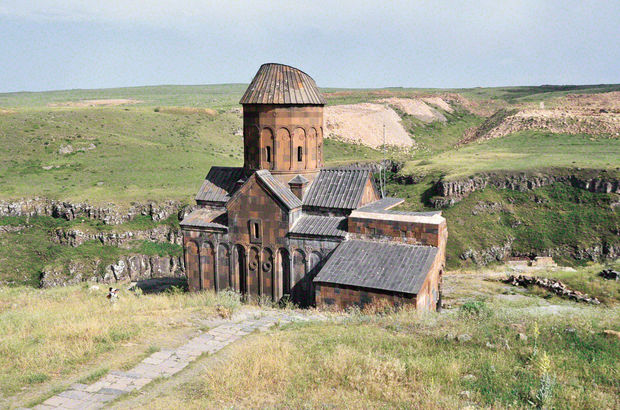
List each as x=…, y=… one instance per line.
x=167, y=362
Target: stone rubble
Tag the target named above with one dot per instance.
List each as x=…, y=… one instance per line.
x=553, y=286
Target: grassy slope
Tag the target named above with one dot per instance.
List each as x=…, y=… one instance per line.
x=523, y=151
x=141, y=155
x=557, y=218
x=219, y=96
x=25, y=253
x=405, y=360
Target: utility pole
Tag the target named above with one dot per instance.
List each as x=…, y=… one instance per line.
x=382, y=170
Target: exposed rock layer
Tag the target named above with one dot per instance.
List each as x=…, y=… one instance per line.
x=76, y=237
x=108, y=214
x=451, y=192
x=132, y=267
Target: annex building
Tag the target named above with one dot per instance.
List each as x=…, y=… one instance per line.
x=284, y=225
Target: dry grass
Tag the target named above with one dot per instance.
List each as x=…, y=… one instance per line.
x=51, y=334
x=186, y=110
x=408, y=359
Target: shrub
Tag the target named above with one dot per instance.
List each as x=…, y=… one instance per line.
x=475, y=308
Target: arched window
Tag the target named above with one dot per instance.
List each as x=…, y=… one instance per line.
x=300, y=154
x=268, y=153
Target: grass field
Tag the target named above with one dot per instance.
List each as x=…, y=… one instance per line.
x=371, y=358
x=412, y=360
x=55, y=335
x=523, y=151
x=123, y=155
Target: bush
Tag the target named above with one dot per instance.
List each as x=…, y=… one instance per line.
x=475, y=308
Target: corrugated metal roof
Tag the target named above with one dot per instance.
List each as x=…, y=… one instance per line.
x=206, y=218
x=337, y=188
x=219, y=184
x=378, y=265
x=281, y=191
x=314, y=225
x=282, y=84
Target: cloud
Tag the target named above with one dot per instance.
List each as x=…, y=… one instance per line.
x=277, y=13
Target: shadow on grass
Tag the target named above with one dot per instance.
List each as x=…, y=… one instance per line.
x=159, y=285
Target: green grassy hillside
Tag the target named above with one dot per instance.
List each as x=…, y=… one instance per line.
x=160, y=149
x=523, y=151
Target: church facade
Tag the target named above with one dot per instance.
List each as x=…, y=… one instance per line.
x=283, y=226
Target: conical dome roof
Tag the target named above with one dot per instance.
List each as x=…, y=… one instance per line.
x=282, y=84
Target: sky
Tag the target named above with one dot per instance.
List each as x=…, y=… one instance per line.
x=67, y=44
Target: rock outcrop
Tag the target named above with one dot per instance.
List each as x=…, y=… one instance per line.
x=76, y=237
x=500, y=253
x=610, y=274
x=485, y=256
x=108, y=214
x=453, y=191
x=132, y=267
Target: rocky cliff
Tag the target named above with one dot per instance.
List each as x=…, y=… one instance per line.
x=77, y=237
x=131, y=267
x=109, y=214
x=450, y=192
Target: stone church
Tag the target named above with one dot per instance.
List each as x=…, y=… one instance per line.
x=284, y=226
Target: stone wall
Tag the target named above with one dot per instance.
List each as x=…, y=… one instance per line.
x=341, y=297
x=413, y=233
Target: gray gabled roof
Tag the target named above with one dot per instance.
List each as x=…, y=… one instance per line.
x=282, y=84
x=314, y=225
x=219, y=184
x=337, y=188
x=206, y=218
x=387, y=266
x=282, y=192
x=299, y=180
